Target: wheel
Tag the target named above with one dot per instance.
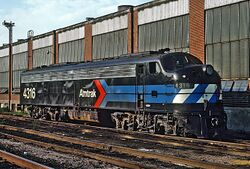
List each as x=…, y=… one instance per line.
x=159, y=129
x=47, y=116
x=125, y=125
x=104, y=117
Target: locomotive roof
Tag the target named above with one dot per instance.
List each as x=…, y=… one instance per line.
x=122, y=60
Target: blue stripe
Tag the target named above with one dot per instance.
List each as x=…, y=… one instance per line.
x=196, y=94
x=161, y=89
x=117, y=89
x=130, y=98
x=214, y=98
x=169, y=88
x=159, y=99
x=166, y=93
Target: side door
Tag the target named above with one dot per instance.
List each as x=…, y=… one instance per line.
x=140, y=86
x=154, y=87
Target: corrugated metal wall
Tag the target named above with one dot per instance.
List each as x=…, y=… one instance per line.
x=71, y=51
x=71, y=45
x=164, y=26
x=20, y=62
x=4, y=71
x=170, y=33
x=110, y=37
x=110, y=44
x=42, y=51
x=4, y=67
x=228, y=39
x=42, y=56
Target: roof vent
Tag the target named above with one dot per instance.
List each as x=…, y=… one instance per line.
x=30, y=34
x=20, y=40
x=124, y=7
x=89, y=18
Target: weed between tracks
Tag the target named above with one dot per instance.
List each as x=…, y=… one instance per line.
x=15, y=113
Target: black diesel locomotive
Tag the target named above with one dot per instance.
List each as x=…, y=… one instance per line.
x=160, y=92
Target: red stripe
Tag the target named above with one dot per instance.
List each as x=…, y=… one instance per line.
x=102, y=93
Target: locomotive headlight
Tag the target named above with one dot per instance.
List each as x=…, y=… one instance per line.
x=208, y=69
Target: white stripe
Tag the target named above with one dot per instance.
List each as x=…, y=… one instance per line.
x=4, y=52
x=217, y=3
x=71, y=35
x=184, y=94
x=163, y=11
x=20, y=48
x=43, y=42
x=110, y=25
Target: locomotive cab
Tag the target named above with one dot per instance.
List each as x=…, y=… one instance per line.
x=185, y=67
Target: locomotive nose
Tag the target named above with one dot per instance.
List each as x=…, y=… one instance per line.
x=197, y=74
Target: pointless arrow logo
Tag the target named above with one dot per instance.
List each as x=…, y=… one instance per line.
x=102, y=93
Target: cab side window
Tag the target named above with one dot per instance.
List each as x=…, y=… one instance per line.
x=154, y=68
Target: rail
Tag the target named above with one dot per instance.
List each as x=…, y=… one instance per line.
x=21, y=162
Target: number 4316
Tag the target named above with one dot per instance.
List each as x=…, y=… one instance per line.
x=29, y=93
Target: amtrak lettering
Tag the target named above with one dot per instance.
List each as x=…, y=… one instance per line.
x=87, y=93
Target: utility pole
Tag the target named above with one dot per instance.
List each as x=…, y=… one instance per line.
x=10, y=26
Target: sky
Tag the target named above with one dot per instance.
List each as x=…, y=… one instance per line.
x=43, y=16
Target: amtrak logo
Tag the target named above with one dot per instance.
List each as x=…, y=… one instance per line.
x=87, y=93
x=91, y=93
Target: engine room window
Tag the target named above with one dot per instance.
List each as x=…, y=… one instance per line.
x=154, y=68
x=140, y=69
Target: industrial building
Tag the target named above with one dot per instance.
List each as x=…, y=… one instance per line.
x=217, y=32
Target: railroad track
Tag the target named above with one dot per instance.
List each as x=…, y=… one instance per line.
x=109, y=148
x=206, y=146
x=241, y=146
x=20, y=161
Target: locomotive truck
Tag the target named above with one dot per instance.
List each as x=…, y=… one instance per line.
x=157, y=91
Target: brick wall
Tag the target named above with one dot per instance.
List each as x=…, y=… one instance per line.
x=88, y=42
x=197, y=28
x=4, y=98
x=130, y=32
x=136, y=35
x=30, y=53
x=15, y=98
x=55, y=49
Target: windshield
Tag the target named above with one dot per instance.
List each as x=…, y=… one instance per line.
x=174, y=61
